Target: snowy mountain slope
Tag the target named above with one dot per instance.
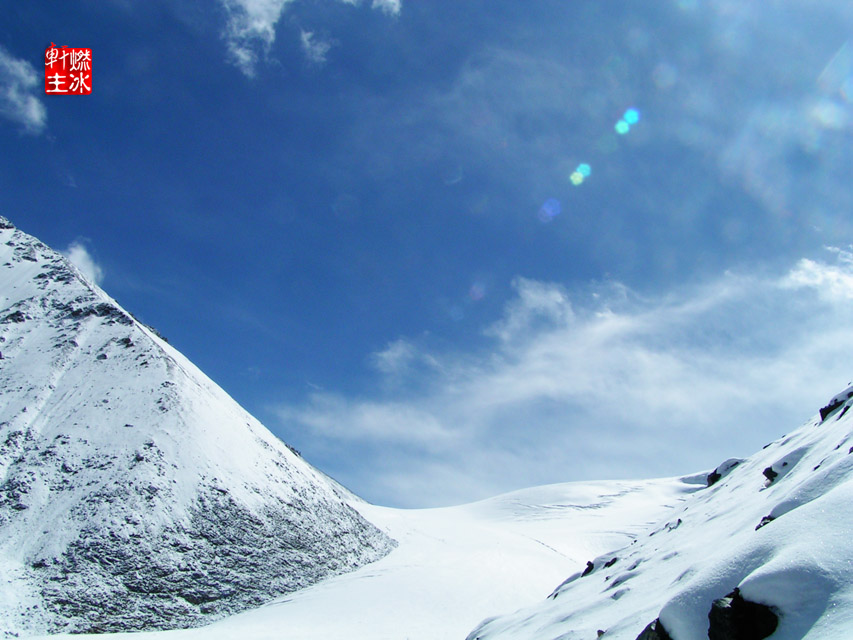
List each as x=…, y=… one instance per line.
x=660, y=548
x=455, y=565
x=134, y=492
x=777, y=527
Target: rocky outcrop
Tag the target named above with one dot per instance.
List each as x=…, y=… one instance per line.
x=722, y=470
x=836, y=402
x=733, y=618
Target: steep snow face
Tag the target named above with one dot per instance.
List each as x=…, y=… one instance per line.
x=134, y=492
x=777, y=527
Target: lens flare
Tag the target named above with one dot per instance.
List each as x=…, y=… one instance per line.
x=628, y=119
x=549, y=210
x=580, y=174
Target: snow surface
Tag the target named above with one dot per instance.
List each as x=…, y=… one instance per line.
x=454, y=566
x=784, y=543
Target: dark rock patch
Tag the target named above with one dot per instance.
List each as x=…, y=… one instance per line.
x=589, y=569
x=104, y=310
x=15, y=316
x=833, y=405
x=764, y=521
x=770, y=474
x=733, y=618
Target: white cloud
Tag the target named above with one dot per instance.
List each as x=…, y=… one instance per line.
x=536, y=301
x=395, y=358
x=605, y=386
x=315, y=49
x=80, y=257
x=401, y=360
x=19, y=86
x=334, y=416
x=391, y=7
x=251, y=25
x=831, y=281
x=251, y=29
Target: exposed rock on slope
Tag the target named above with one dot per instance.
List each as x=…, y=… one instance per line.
x=134, y=492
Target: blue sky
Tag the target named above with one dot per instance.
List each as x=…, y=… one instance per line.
x=335, y=208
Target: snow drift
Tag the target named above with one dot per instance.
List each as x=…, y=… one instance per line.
x=134, y=492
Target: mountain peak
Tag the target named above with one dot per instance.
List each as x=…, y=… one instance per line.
x=136, y=493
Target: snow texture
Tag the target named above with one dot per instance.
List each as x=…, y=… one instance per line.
x=134, y=492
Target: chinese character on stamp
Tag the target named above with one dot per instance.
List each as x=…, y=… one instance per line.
x=67, y=70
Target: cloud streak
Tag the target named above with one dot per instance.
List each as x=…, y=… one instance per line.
x=80, y=257
x=598, y=385
x=19, y=85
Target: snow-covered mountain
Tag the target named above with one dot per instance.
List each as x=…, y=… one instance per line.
x=763, y=549
x=134, y=492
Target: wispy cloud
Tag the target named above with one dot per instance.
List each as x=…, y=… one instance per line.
x=251, y=30
x=80, y=257
x=19, y=86
x=395, y=358
x=604, y=384
x=315, y=48
x=401, y=423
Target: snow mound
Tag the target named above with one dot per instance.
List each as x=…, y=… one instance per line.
x=134, y=492
x=770, y=532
